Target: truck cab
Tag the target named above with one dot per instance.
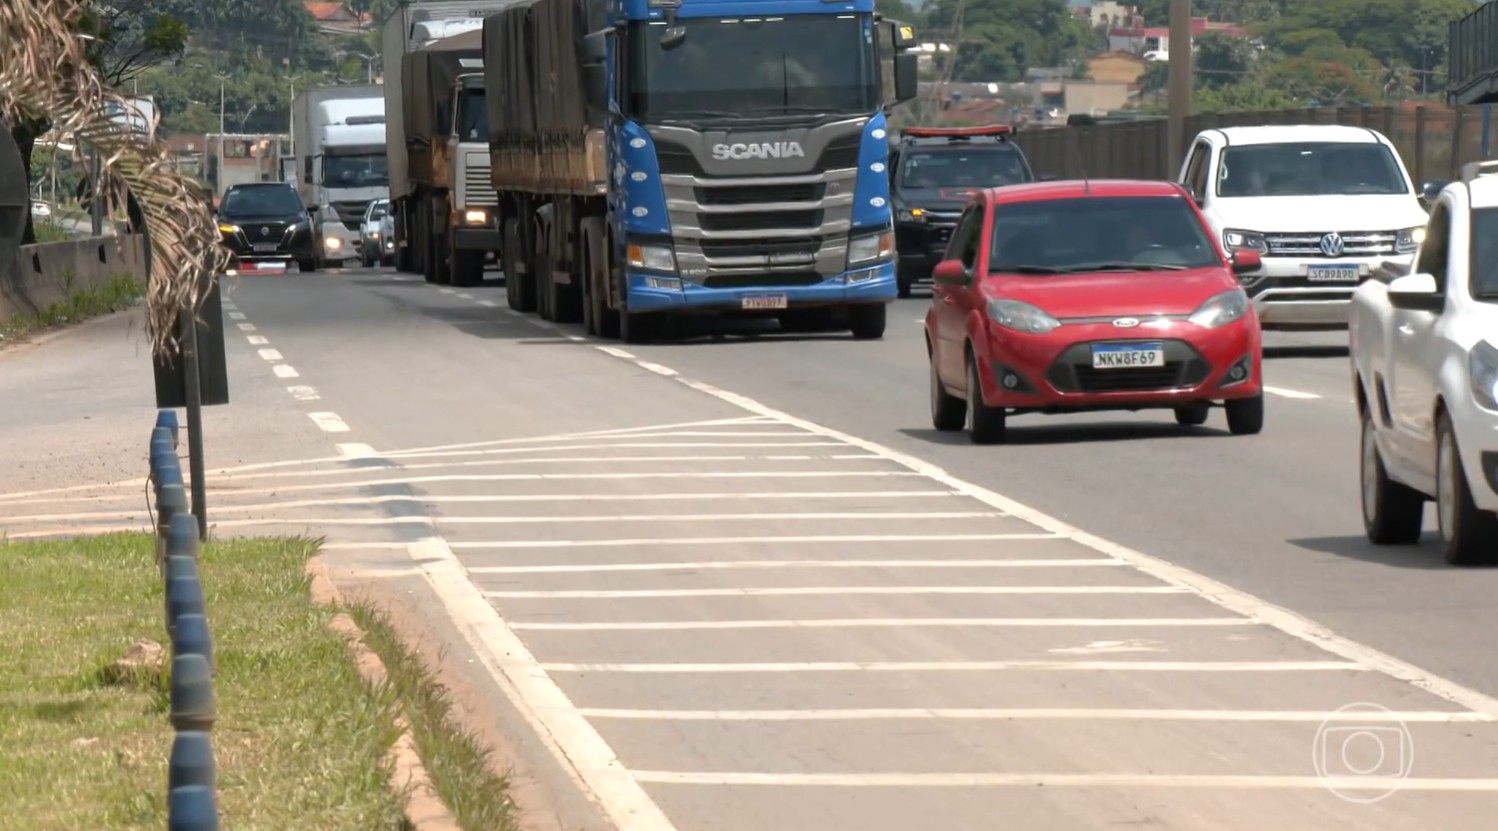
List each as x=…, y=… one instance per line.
x=933, y=171
x=1324, y=205
x=472, y=219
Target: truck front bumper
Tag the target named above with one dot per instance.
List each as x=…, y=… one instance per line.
x=660, y=293
x=1285, y=296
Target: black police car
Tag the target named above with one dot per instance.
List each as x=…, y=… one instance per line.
x=933, y=171
x=263, y=222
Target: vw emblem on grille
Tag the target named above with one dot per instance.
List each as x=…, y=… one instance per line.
x=1126, y=322
x=264, y=231
x=1331, y=244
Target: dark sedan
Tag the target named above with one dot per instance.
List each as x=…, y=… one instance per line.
x=266, y=222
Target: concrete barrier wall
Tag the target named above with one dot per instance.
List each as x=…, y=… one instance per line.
x=46, y=273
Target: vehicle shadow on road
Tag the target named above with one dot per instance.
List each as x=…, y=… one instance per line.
x=1423, y=556
x=1074, y=434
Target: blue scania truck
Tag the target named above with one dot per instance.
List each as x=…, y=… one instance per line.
x=661, y=158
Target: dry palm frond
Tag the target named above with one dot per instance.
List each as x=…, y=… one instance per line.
x=45, y=70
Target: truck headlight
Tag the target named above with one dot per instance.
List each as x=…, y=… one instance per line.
x=1021, y=317
x=332, y=243
x=1221, y=309
x=1234, y=238
x=1408, y=240
x=870, y=248
x=475, y=216
x=651, y=257
x=913, y=215
x=1482, y=364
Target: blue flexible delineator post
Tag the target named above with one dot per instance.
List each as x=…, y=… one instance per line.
x=191, y=763
x=184, y=596
x=191, y=694
x=192, y=808
x=168, y=419
x=190, y=636
x=182, y=535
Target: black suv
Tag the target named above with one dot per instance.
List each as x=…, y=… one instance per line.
x=266, y=221
x=932, y=173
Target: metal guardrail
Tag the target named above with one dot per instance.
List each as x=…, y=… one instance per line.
x=1472, y=49
x=192, y=801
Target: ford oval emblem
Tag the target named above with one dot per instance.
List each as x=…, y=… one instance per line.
x=1126, y=322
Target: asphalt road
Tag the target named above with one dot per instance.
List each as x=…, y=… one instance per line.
x=739, y=583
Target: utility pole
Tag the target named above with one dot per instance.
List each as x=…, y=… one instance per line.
x=220, y=182
x=1180, y=80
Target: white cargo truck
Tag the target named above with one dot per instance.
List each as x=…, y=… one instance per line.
x=338, y=141
x=442, y=215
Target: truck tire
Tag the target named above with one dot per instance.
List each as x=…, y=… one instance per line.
x=637, y=328
x=467, y=268
x=867, y=320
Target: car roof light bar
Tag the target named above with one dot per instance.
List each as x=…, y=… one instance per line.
x=959, y=133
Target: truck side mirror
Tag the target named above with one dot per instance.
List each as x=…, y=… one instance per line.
x=596, y=46
x=907, y=76
x=596, y=91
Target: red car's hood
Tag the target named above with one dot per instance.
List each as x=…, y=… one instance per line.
x=1136, y=294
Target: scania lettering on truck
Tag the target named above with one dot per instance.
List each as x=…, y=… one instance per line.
x=338, y=141
x=440, y=195
x=659, y=158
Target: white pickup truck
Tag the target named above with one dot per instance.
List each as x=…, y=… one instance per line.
x=1425, y=369
x=1324, y=205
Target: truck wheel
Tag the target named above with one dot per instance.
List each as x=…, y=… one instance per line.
x=468, y=268
x=305, y=266
x=428, y=255
x=867, y=320
x=636, y=328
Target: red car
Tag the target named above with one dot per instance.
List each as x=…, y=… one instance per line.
x=1077, y=296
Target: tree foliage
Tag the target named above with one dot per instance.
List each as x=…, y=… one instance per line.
x=1000, y=39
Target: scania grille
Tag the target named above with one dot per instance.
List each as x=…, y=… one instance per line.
x=677, y=160
x=768, y=221
x=478, y=188
x=1354, y=244
x=779, y=278
x=759, y=249
x=760, y=194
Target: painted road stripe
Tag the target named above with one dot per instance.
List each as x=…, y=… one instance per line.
x=246, y=327
x=1337, y=784
x=776, y=517
x=489, y=303
x=270, y=354
x=1284, y=393
x=258, y=340
x=862, y=539
x=779, y=564
x=236, y=315
x=877, y=623
x=355, y=451
x=805, y=591
x=300, y=394
x=285, y=371
x=618, y=432
x=329, y=422
x=972, y=666
x=538, y=477
x=1045, y=714
x=573, y=742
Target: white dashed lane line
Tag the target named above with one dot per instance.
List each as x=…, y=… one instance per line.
x=270, y=355
x=329, y=422
x=285, y=371
x=258, y=340
x=1296, y=394
x=303, y=393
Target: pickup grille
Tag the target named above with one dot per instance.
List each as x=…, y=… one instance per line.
x=1354, y=244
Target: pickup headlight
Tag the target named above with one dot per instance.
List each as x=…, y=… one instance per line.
x=1408, y=240
x=913, y=215
x=1482, y=364
x=1221, y=309
x=1021, y=317
x=870, y=248
x=228, y=229
x=1233, y=238
x=651, y=257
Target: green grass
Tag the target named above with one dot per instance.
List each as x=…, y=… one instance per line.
x=300, y=739
x=455, y=759
x=118, y=292
x=47, y=231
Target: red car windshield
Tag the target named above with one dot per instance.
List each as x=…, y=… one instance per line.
x=1099, y=233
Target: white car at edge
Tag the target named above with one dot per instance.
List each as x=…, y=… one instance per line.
x=1424, y=350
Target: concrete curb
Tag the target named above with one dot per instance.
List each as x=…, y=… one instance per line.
x=424, y=809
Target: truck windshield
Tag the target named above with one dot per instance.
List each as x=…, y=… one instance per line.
x=1108, y=233
x=277, y=201
x=991, y=167
x=1310, y=169
x=359, y=171
x=746, y=67
x=473, y=116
